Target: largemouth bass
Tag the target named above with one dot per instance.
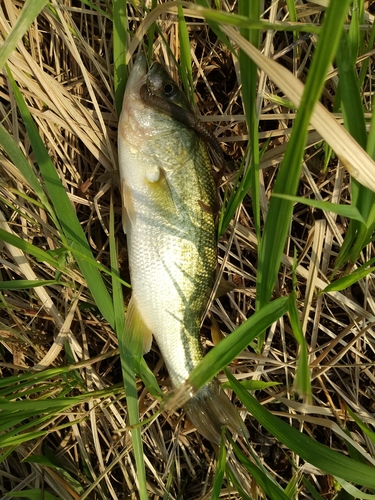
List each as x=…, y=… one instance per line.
x=169, y=198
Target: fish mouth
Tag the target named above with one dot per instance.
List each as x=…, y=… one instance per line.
x=138, y=75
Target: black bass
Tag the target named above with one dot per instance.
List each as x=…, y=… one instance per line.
x=169, y=199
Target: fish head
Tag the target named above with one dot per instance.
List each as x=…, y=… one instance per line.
x=153, y=145
x=136, y=128
x=160, y=84
x=139, y=120
x=147, y=137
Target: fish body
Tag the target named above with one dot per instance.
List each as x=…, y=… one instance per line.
x=169, y=196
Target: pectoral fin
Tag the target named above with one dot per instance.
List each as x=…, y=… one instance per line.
x=128, y=212
x=139, y=333
x=161, y=191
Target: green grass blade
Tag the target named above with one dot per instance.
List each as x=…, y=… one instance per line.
x=311, y=489
x=302, y=384
x=49, y=459
x=350, y=279
x=25, y=246
x=354, y=119
x=220, y=468
x=118, y=300
x=292, y=12
x=215, y=17
x=25, y=284
x=65, y=212
x=344, y=210
x=128, y=353
x=252, y=385
x=213, y=24
x=33, y=378
x=30, y=11
x=355, y=34
x=32, y=494
x=151, y=33
x=240, y=190
x=262, y=478
x=230, y=347
x=127, y=363
x=371, y=136
x=364, y=428
x=39, y=405
x=363, y=199
x=280, y=211
x=120, y=37
x=366, y=62
x=80, y=257
x=18, y=158
x=171, y=475
x=293, y=485
x=249, y=79
x=354, y=492
x=317, y=454
x=95, y=7
x=185, y=58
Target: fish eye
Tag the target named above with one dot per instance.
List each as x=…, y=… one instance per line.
x=169, y=90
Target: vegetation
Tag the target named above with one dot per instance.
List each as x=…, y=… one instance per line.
x=287, y=88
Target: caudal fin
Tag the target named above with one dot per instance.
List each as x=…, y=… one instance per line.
x=210, y=409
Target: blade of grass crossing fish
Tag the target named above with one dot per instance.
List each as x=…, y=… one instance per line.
x=230, y=347
x=127, y=363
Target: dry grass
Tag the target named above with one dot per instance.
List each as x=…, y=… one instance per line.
x=64, y=71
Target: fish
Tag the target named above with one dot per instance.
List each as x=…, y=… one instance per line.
x=169, y=200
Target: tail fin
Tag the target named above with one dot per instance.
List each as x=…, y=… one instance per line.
x=210, y=409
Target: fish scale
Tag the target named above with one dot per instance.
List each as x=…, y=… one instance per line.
x=169, y=196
